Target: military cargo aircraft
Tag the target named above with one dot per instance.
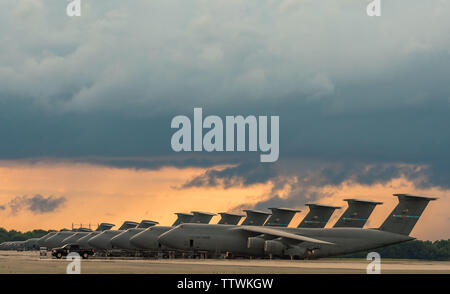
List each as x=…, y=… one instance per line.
x=122, y=240
x=148, y=239
x=83, y=242
x=57, y=239
x=41, y=241
x=298, y=242
x=102, y=241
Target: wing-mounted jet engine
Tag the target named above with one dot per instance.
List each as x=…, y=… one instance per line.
x=280, y=217
x=299, y=242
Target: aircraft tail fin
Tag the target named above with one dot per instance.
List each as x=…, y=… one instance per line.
x=255, y=217
x=357, y=213
x=406, y=214
x=229, y=218
x=128, y=225
x=146, y=224
x=182, y=218
x=281, y=217
x=318, y=216
x=104, y=227
x=202, y=217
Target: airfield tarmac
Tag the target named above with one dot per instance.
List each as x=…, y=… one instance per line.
x=12, y=262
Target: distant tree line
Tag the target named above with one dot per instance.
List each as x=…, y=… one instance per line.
x=427, y=250
x=14, y=235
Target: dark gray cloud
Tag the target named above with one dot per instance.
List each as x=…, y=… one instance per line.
x=363, y=106
x=303, y=180
x=2, y=207
x=240, y=175
x=37, y=204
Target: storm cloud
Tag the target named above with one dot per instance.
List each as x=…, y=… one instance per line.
x=36, y=204
x=360, y=99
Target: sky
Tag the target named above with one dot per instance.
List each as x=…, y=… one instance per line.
x=86, y=104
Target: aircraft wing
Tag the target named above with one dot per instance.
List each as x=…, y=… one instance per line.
x=281, y=234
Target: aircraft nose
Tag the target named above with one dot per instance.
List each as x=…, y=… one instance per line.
x=138, y=240
x=98, y=242
x=51, y=243
x=169, y=238
x=121, y=241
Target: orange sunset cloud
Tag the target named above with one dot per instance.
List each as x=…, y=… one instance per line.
x=96, y=193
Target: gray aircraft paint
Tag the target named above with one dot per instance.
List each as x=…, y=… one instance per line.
x=104, y=227
x=57, y=239
x=241, y=240
x=201, y=217
x=229, y=218
x=74, y=239
x=281, y=217
x=356, y=214
x=148, y=239
x=318, y=216
x=102, y=241
x=83, y=241
x=122, y=240
x=182, y=218
x=227, y=238
x=31, y=244
x=255, y=217
x=406, y=214
x=41, y=241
